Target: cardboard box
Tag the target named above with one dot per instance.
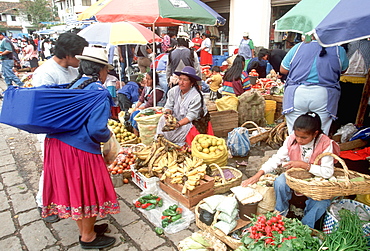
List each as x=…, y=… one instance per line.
x=224, y=122
x=143, y=182
x=191, y=198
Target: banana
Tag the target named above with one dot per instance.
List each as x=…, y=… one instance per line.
x=150, y=155
x=193, y=182
x=184, y=189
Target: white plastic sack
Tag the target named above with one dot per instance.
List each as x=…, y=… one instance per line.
x=238, y=142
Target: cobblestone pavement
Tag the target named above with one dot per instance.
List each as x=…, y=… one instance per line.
x=21, y=225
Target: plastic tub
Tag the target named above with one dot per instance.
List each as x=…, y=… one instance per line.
x=247, y=209
x=270, y=108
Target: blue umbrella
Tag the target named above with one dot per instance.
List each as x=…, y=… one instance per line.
x=348, y=21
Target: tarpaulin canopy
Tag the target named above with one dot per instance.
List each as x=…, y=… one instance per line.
x=157, y=12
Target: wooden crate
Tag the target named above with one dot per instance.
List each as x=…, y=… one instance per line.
x=191, y=198
x=224, y=122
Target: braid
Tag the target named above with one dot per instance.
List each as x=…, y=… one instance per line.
x=201, y=113
x=95, y=78
x=76, y=79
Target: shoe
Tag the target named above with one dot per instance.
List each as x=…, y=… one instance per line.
x=101, y=241
x=101, y=229
x=50, y=219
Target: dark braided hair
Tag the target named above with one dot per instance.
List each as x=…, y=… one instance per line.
x=88, y=68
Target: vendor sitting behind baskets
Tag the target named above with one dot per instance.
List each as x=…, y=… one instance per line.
x=185, y=102
x=301, y=148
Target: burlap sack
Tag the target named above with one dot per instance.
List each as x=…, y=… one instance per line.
x=267, y=204
x=252, y=108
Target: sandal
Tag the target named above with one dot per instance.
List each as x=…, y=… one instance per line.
x=101, y=241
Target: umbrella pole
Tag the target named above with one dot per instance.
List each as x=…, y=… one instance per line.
x=127, y=65
x=153, y=63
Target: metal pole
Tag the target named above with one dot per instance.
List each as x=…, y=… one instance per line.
x=153, y=59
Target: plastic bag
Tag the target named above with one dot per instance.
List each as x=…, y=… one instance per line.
x=228, y=205
x=225, y=227
x=219, y=157
x=346, y=132
x=111, y=149
x=228, y=218
x=213, y=201
x=147, y=127
x=154, y=215
x=238, y=142
x=227, y=103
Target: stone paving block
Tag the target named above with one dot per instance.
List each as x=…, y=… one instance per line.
x=20, y=188
x=1, y=186
x=36, y=236
x=165, y=248
x=124, y=247
x=7, y=224
x=11, y=130
x=23, y=202
x=7, y=160
x=27, y=217
x=7, y=168
x=128, y=191
x=11, y=243
x=67, y=230
x=78, y=248
x=126, y=216
x=270, y=153
x=53, y=248
x=177, y=237
x=12, y=178
x=143, y=235
x=3, y=146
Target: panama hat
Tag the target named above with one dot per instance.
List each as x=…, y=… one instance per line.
x=246, y=34
x=97, y=55
x=188, y=71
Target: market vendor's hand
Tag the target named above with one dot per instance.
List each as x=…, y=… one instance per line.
x=250, y=181
x=295, y=164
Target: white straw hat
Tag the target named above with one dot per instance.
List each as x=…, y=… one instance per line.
x=97, y=55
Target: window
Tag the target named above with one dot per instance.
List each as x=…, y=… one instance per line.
x=86, y=2
x=1, y=17
x=14, y=18
x=29, y=18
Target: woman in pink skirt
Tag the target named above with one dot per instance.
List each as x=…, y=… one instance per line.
x=76, y=180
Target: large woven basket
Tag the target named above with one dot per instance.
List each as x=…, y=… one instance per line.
x=319, y=190
x=260, y=136
x=215, y=243
x=225, y=185
x=228, y=240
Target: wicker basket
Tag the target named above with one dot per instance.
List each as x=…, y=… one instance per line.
x=225, y=185
x=131, y=141
x=261, y=135
x=215, y=243
x=319, y=190
x=228, y=240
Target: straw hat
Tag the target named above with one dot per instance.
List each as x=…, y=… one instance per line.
x=97, y=55
x=246, y=34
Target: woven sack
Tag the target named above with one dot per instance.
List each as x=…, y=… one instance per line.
x=238, y=142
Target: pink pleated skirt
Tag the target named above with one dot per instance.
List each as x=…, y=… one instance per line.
x=76, y=183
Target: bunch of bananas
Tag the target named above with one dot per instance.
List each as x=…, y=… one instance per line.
x=189, y=173
x=160, y=154
x=277, y=135
x=170, y=123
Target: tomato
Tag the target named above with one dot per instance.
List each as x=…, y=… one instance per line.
x=114, y=172
x=130, y=163
x=124, y=165
x=125, y=180
x=119, y=171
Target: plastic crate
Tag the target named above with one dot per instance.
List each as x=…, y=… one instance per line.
x=143, y=182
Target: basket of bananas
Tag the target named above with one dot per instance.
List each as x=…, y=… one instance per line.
x=225, y=177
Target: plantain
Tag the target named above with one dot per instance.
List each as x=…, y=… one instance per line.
x=150, y=155
x=157, y=154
